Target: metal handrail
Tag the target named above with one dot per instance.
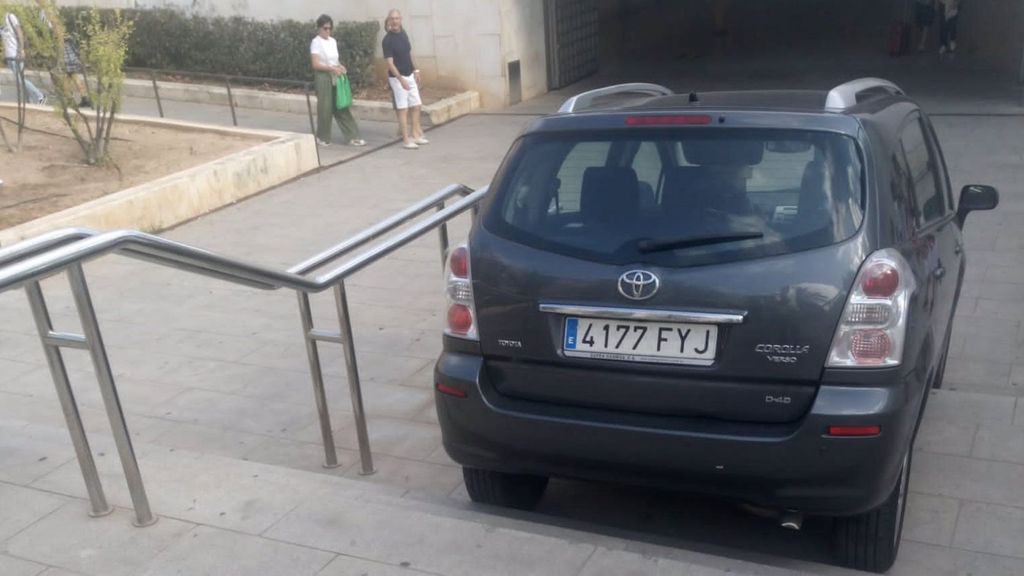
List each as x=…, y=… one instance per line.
x=176, y=254
x=27, y=263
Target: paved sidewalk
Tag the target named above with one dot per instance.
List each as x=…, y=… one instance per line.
x=215, y=383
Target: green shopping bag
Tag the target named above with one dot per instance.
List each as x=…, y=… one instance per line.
x=342, y=93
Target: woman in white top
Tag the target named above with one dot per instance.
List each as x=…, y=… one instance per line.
x=327, y=68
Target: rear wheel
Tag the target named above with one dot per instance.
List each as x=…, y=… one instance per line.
x=871, y=540
x=521, y=491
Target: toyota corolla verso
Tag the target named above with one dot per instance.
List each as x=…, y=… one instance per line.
x=747, y=294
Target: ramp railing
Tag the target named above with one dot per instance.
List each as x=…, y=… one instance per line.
x=27, y=263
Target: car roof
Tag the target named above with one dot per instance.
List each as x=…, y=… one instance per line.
x=804, y=100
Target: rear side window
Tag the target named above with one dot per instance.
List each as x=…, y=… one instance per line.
x=931, y=204
x=680, y=197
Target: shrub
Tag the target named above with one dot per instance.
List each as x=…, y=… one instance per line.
x=173, y=40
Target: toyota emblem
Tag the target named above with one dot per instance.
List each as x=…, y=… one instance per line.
x=638, y=284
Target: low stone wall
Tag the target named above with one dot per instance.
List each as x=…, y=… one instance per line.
x=433, y=114
x=179, y=197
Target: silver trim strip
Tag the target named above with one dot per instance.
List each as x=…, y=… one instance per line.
x=692, y=316
x=584, y=99
x=845, y=95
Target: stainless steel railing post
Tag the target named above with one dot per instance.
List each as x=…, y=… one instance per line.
x=319, y=394
x=54, y=358
x=442, y=234
x=90, y=328
x=354, y=388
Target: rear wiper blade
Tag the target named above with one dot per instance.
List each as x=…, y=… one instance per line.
x=648, y=246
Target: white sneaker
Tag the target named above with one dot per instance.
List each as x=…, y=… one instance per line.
x=942, y=49
x=322, y=142
x=421, y=141
x=42, y=101
x=410, y=146
x=952, y=46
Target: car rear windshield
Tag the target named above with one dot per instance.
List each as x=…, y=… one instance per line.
x=680, y=197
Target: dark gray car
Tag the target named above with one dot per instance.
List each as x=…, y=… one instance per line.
x=746, y=293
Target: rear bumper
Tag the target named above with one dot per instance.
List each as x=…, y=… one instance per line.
x=787, y=466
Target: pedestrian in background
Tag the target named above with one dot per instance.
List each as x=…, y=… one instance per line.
x=404, y=79
x=326, y=70
x=924, y=16
x=947, y=28
x=14, y=57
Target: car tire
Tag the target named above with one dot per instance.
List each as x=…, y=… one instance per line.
x=522, y=491
x=871, y=540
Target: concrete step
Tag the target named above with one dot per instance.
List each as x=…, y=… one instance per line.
x=221, y=515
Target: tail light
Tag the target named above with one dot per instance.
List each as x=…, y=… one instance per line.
x=874, y=323
x=460, y=320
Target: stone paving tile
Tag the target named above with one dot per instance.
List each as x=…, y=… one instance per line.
x=968, y=407
x=216, y=552
x=1005, y=443
x=390, y=436
x=10, y=566
x=349, y=566
x=968, y=478
x=24, y=460
x=1017, y=375
x=990, y=528
x=21, y=507
x=605, y=562
x=393, y=536
x=918, y=559
x=300, y=456
x=107, y=546
x=998, y=309
x=136, y=395
x=196, y=488
x=944, y=437
x=963, y=371
x=387, y=400
x=218, y=441
x=58, y=572
x=930, y=519
x=228, y=411
x=421, y=478
x=1018, y=418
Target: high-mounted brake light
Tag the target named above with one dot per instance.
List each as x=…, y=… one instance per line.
x=873, y=327
x=673, y=120
x=460, y=319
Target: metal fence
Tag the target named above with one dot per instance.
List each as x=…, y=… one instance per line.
x=228, y=81
x=26, y=264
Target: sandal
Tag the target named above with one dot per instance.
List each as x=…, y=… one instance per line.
x=358, y=142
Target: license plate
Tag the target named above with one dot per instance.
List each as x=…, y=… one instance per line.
x=664, y=342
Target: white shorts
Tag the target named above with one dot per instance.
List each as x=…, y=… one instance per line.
x=405, y=98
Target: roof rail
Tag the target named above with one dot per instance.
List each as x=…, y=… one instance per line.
x=584, y=99
x=845, y=95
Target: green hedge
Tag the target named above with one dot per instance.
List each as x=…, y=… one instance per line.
x=172, y=40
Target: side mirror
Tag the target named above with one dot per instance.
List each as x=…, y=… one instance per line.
x=976, y=197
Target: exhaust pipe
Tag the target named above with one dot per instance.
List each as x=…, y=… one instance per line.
x=791, y=520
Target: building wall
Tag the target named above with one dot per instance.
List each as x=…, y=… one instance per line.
x=458, y=44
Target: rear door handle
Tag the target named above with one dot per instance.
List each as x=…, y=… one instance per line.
x=939, y=272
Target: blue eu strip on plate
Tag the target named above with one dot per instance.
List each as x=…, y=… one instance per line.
x=571, y=325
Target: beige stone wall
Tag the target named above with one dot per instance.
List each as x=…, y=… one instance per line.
x=462, y=44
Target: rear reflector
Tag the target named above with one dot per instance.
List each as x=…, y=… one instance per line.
x=854, y=431
x=451, y=390
x=675, y=120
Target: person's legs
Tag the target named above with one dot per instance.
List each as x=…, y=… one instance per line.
x=402, y=111
x=349, y=126
x=415, y=104
x=33, y=95
x=324, y=105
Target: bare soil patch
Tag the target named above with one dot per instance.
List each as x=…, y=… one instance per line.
x=49, y=175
